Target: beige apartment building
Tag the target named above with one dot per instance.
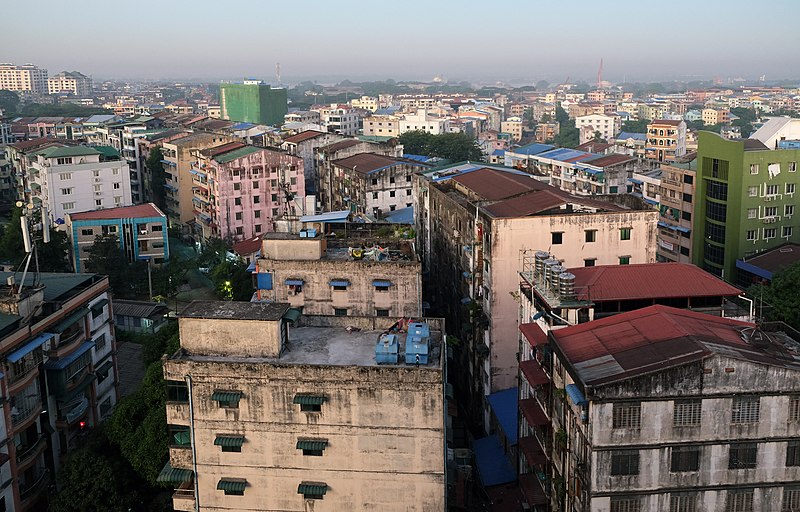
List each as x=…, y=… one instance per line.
x=264, y=416
x=350, y=277
x=25, y=78
x=512, y=126
x=381, y=126
x=666, y=140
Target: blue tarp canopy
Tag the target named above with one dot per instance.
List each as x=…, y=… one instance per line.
x=294, y=282
x=381, y=282
x=60, y=364
x=29, y=347
x=338, y=216
x=749, y=267
x=401, y=216
x=505, y=408
x=575, y=395
x=252, y=266
x=339, y=282
x=493, y=466
x=634, y=180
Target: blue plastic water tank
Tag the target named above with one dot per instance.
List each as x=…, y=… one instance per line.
x=387, y=349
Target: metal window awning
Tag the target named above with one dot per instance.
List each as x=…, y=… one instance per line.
x=339, y=282
x=575, y=394
x=61, y=363
x=229, y=440
x=98, y=305
x=232, y=484
x=292, y=315
x=29, y=347
x=70, y=320
x=308, y=399
x=314, y=488
x=294, y=282
x=226, y=396
x=381, y=282
x=183, y=438
x=104, y=368
x=174, y=475
x=312, y=444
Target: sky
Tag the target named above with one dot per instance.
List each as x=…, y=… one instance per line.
x=497, y=40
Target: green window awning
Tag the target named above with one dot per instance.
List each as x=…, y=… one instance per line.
x=229, y=440
x=183, y=438
x=308, y=399
x=291, y=315
x=226, y=396
x=174, y=475
x=99, y=305
x=315, y=488
x=312, y=444
x=70, y=320
x=104, y=368
x=232, y=484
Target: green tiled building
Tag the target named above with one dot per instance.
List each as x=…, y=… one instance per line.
x=747, y=200
x=253, y=101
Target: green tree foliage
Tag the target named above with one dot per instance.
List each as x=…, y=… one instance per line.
x=568, y=135
x=232, y=281
x=11, y=244
x=639, y=126
x=52, y=256
x=106, y=258
x=781, y=296
x=9, y=101
x=157, y=177
x=66, y=109
x=456, y=147
x=745, y=114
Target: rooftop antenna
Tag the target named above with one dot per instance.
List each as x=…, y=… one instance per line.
x=600, y=74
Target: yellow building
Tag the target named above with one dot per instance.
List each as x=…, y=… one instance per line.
x=512, y=126
x=666, y=140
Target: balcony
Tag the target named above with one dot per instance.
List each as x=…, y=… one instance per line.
x=21, y=416
x=533, y=412
x=28, y=454
x=178, y=413
x=183, y=497
x=533, y=489
x=30, y=491
x=180, y=456
x=533, y=451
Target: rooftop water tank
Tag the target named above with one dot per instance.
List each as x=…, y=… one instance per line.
x=420, y=329
x=417, y=343
x=387, y=349
x=555, y=271
x=539, y=258
x=566, y=286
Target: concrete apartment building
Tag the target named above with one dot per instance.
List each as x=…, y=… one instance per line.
x=661, y=409
x=253, y=101
x=608, y=126
x=423, y=121
x=241, y=191
x=472, y=223
x=373, y=184
x=712, y=116
x=70, y=82
x=68, y=178
x=746, y=199
x=349, y=277
x=666, y=140
x=340, y=119
x=265, y=416
x=59, y=377
x=25, y=78
x=303, y=145
x=141, y=230
x=369, y=103
x=381, y=126
x=546, y=132
x=512, y=126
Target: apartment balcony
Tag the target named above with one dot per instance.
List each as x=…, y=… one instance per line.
x=22, y=416
x=533, y=450
x=665, y=199
x=27, y=454
x=533, y=412
x=183, y=498
x=533, y=489
x=180, y=457
x=178, y=413
x=29, y=493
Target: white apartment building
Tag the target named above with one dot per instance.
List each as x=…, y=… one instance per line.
x=343, y=121
x=382, y=126
x=365, y=103
x=608, y=126
x=422, y=121
x=25, y=78
x=77, y=179
x=71, y=82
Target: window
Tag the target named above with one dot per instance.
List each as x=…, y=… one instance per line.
x=408, y=192
x=625, y=234
x=237, y=201
x=98, y=202
x=793, y=453
x=745, y=409
x=788, y=210
x=717, y=190
x=257, y=214
x=391, y=179
x=340, y=311
x=752, y=235
x=687, y=198
x=786, y=232
x=179, y=435
x=63, y=161
x=685, y=458
x=66, y=191
x=772, y=190
x=256, y=199
x=391, y=193
x=237, y=186
x=792, y=166
x=115, y=172
x=688, y=179
x=374, y=181
x=627, y=414
x=753, y=168
x=237, y=449
x=752, y=191
x=791, y=499
x=752, y=213
x=686, y=413
x=98, y=188
x=116, y=186
x=740, y=500
x=770, y=211
x=238, y=215
x=742, y=456
x=374, y=195
x=682, y=502
x=227, y=399
x=255, y=183
x=624, y=462
x=790, y=188
x=100, y=343
x=770, y=233
x=156, y=227
x=67, y=206
x=275, y=212
x=794, y=408
x=408, y=178
x=590, y=235
x=87, y=232
x=624, y=260
x=589, y=262
x=177, y=391
x=556, y=238
x=626, y=504
x=258, y=228
x=65, y=176
x=274, y=198
x=240, y=230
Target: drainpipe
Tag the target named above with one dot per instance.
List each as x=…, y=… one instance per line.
x=751, y=306
x=194, y=444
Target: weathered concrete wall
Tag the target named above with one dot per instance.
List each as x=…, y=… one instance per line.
x=247, y=338
x=293, y=249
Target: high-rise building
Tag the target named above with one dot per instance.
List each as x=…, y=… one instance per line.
x=25, y=78
x=253, y=101
x=746, y=199
x=71, y=82
x=322, y=415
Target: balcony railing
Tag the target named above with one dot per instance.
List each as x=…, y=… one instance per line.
x=23, y=415
x=38, y=484
x=24, y=454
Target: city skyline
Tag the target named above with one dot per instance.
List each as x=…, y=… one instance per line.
x=357, y=40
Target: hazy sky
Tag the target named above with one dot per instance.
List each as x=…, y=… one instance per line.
x=405, y=39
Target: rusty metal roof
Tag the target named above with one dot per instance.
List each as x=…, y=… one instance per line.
x=647, y=281
x=526, y=204
x=306, y=135
x=493, y=185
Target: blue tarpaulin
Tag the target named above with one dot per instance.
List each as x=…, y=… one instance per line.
x=575, y=395
x=264, y=281
x=29, y=347
x=494, y=468
x=339, y=282
x=294, y=282
x=504, y=406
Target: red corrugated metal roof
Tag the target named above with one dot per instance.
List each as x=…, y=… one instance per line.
x=534, y=334
x=247, y=247
x=526, y=204
x=122, y=212
x=648, y=281
x=533, y=412
x=306, y=135
x=493, y=185
x=533, y=372
x=366, y=162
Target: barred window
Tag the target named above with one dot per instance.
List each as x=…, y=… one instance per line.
x=685, y=458
x=739, y=501
x=791, y=499
x=745, y=409
x=627, y=415
x=626, y=504
x=683, y=502
x=625, y=462
x=793, y=454
x=742, y=456
x=687, y=413
x=794, y=408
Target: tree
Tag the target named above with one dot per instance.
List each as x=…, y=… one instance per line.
x=106, y=258
x=598, y=137
x=455, y=147
x=52, y=256
x=781, y=295
x=232, y=281
x=157, y=177
x=416, y=142
x=11, y=244
x=9, y=100
x=67, y=109
x=639, y=126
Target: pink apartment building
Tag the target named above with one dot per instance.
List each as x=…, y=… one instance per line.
x=240, y=191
